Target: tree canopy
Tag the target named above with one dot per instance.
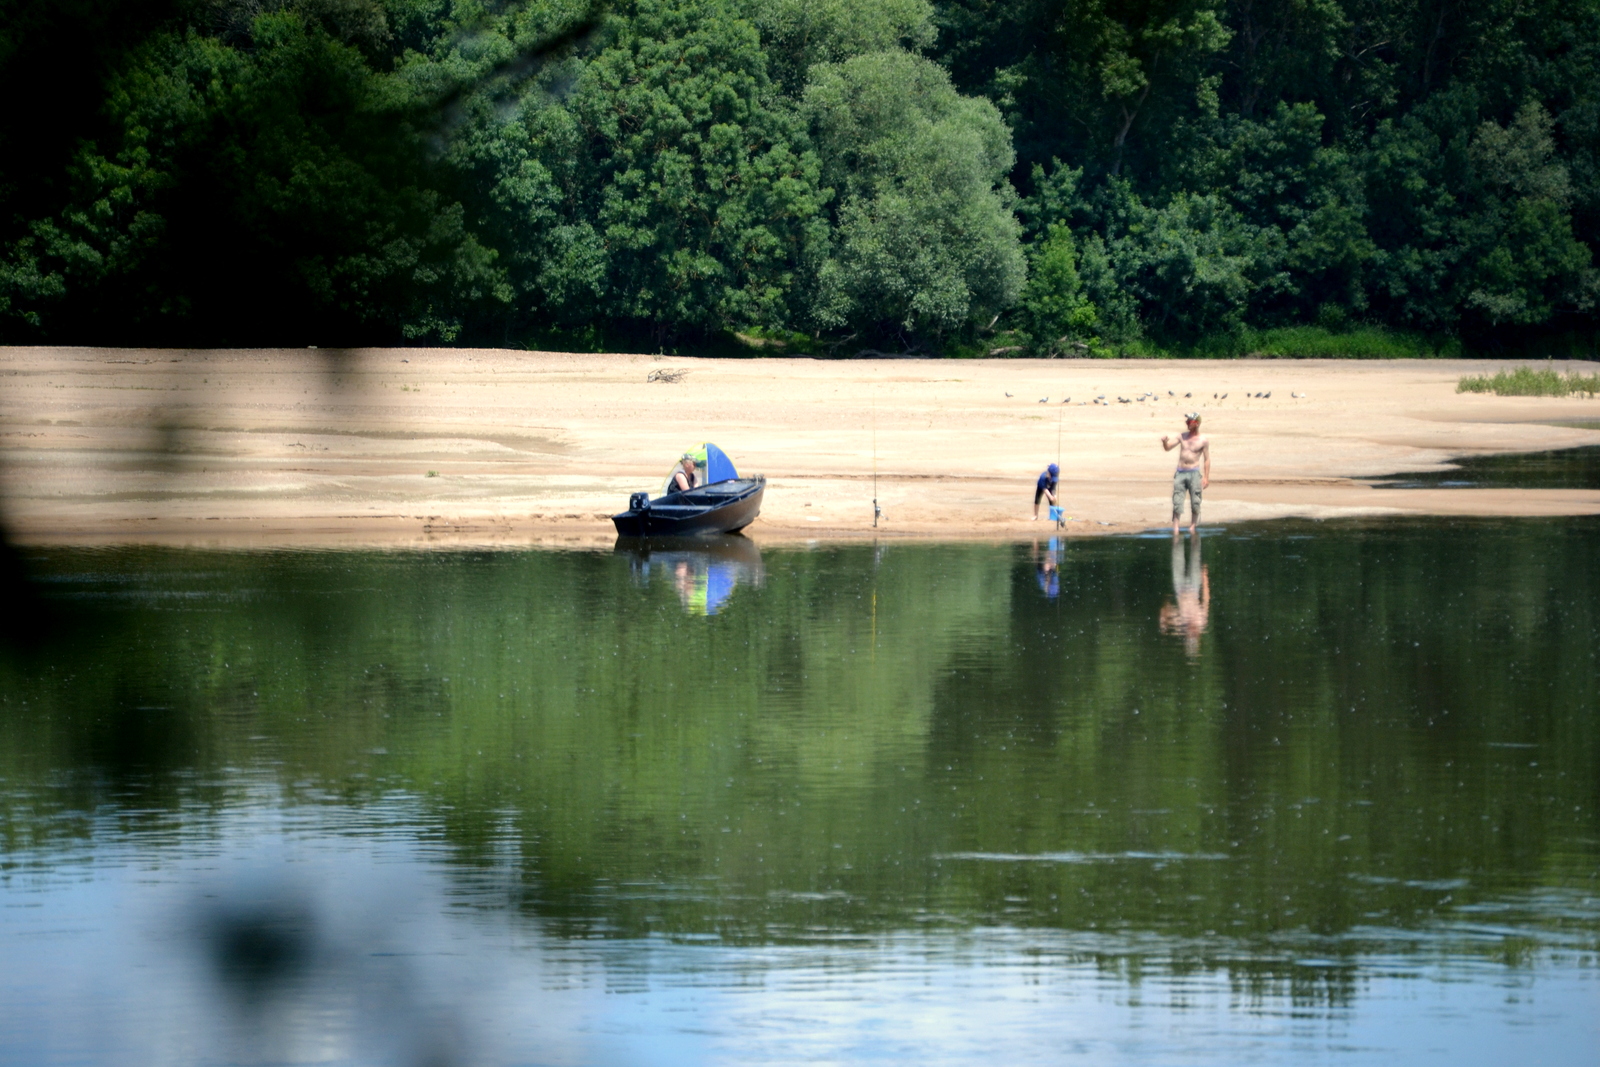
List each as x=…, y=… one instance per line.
x=945, y=176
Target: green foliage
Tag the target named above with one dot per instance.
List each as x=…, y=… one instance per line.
x=1054, y=308
x=869, y=172
x=1528, y=381
x=798, y=34
x=1523, y=258
x=705, y=205
x=1363, y=342
x=275, y=190
x=1286, y=162
x=1288, y=342
x=924, y=240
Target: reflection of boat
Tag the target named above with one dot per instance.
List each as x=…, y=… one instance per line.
x=704, y=570
x=725, y=503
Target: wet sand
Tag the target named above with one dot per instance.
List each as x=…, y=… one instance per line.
x=452, y=446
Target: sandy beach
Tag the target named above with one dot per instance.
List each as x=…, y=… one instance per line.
x=453, y=446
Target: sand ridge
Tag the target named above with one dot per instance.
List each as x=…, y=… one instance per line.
x=462, y=446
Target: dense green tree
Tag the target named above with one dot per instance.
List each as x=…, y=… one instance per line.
x=925, y=239
x=703, y=199
x=1523, y=261
x=1054, y=308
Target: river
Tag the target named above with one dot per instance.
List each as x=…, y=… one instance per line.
x=1291, y=793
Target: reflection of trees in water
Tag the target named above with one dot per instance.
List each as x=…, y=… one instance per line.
x=822, y=755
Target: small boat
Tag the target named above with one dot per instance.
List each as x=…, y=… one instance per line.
x=725, y=503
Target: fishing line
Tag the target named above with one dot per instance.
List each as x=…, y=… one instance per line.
x=1061, y=413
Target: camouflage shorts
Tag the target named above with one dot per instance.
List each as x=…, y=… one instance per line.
x=1186, y=482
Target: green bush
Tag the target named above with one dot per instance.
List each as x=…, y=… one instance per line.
x=1363, y=342
x=1291, y=342
x=1526, y=381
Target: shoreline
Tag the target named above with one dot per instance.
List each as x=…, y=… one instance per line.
x=287, y=448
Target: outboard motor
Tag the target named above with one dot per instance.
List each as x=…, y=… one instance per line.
x=639, y=502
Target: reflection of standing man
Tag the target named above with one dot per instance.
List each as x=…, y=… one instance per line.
x=1194, y=469
x=1191, y=587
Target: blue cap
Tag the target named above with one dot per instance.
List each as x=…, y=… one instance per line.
x=1053, y=469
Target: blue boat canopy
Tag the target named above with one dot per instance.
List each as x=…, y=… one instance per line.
x=718, y=467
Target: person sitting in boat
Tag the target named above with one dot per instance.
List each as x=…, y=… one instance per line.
x=684, y=476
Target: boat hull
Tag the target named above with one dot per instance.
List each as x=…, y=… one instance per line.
x=722, y=507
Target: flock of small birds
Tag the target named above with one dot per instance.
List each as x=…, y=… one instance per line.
x=1142, y=397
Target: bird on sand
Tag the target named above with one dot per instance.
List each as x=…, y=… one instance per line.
x=1068, y=400
x=1224, y=396
x=1267, y=395
x=1008, y=394
x=1186, y=396
x=1044, y=400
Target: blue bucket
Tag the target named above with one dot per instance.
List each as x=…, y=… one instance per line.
x=1055, y=513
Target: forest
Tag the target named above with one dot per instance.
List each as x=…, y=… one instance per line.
x=832, y=177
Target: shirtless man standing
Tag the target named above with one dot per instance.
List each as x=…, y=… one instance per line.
x=1194, y=469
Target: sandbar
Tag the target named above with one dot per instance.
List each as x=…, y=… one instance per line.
x=471, y=447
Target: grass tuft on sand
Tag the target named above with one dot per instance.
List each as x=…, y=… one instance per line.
x=1526, y=381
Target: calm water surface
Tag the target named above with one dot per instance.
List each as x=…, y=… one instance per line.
x=1562, y=468
x=1296, y=794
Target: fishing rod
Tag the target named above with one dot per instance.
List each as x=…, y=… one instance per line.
x=1061, y=513
x=876, y=510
